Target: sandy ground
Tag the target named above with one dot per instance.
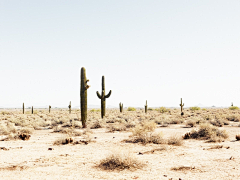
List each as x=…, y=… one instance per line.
x=32, y=160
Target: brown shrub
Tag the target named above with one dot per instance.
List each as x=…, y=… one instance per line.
x=63, y=140
x=176, y=141
x=238, y=137
x=24, y=136
x=120, y=161
x=207, y=132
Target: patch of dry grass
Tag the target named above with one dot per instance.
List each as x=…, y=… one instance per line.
x=207, y=132
x=174, y=140
x=120, y=161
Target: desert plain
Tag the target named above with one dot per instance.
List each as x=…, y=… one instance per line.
x=160, y=144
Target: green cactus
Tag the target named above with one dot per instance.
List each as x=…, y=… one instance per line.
x=182, y=104
x=49, y=108
x=69, y=106
x=23, y=108
x=32, y=109
x=146, y=107
x=121, y=107
x=83, y=97
x=103, y=97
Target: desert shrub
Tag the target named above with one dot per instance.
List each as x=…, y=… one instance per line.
x=7, y=129
x=5, y=113
x=238, y=137
x=183, y=168
x=69, y=131
x=131, y=109
x=207, y=132
x=97, y=124
x=235, y=118
x=174, y=140
x=204, y=109
x=163, y=110
x=95, y=110
x=176, y=121
x=120, y=161
x=195, y=108
x=144, y=133
x=191, y=123
x=233, y=108
x=63, y=141
x=27, y=130
x=219, y=122
x=116, y=127
x=150, y=109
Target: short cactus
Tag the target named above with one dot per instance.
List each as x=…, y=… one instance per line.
x=83, y=96
x=103, y=97
x=182, y=104
x=70, y=106
x=49, y=108
x=23, y=108
x=146, y=106
x=121, y=107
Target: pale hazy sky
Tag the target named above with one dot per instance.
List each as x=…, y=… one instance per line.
x=155, y=50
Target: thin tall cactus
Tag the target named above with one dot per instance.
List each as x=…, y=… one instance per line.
x=146, y=106
x=49, y=108
x=70, y=106
x=182, y=104
x=32, y=109
x=23, y=108
x=121, y=107
x=83, y=96
x=103, y=97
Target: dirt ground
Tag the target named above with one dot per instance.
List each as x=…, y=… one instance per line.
x=32, y=159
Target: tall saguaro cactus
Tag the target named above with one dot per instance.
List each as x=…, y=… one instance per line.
x=32, y=109
x=69, y=106
x=121, y=107
x=49, y=108
x=23, y=108
x=83, y=97
x=103, y=97
x=182, y=104
x=146, y=107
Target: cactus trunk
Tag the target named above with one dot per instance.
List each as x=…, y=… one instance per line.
x=146, y=107
x=83, y=97
x=121, y=107
x=103, y=97
x=181, y=107
x=70, y=110
x=49, y=108
x=23, y=108
x=32, y=109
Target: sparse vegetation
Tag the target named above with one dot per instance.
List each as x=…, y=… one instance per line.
x=234, y=108
x=195, y=108
x=131, y=109
x=120, y=161
x=208, y=132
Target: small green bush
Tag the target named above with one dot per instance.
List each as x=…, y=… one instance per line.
x=233, y=108
x=131, y=109
x=195, y=108
x=163, y=110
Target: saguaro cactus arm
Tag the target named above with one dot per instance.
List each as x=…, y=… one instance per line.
x=100, y=96
x=109, y=94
